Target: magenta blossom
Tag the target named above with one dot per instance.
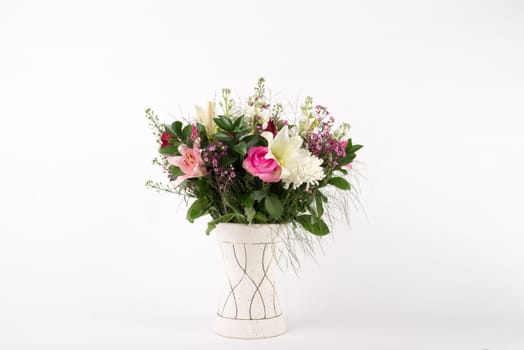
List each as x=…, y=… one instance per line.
x=257, y=165
x=194, y=132
x=343, y=145
x=189, y=162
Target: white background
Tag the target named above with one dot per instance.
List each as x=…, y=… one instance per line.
x=89, y=259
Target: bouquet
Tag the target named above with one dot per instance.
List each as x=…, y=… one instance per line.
x=245, y=162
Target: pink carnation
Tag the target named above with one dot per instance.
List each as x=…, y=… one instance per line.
x=267, y=170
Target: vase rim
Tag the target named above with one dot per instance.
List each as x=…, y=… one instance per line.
x=252, y=225
x=248, y=233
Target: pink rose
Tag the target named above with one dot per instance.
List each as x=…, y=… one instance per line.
x=189, y=162
x=267, y=170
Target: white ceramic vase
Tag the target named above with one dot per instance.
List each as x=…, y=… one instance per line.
x=249, y=307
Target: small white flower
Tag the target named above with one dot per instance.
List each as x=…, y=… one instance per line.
x=262, y=115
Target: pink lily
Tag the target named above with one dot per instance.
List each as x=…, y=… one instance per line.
x=189, y=162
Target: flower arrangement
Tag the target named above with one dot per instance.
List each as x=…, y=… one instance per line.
x=246, y=163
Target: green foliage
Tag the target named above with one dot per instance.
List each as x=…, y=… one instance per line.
x=199, y=208
x=318, y=204
x=169, y=150
x=250, y=214
x=177, y=128
x=339, y=182
x=240, y=148
x=273, y=206
x=227, y=160
x=224, y=123
x=261, y=218
x=258, y=195
x=176, y=171
x=251, y=140
x=221, y=219
x=186, y=133
x=247, y=199
x=313, y=224
x=350, y=153
x=224, y=136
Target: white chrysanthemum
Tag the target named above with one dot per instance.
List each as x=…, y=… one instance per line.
x=298, y=165
x=307, y=169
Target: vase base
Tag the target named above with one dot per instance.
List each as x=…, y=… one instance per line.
x=249, y=329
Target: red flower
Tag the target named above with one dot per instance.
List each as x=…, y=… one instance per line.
x=271, y=127
x=165, y=139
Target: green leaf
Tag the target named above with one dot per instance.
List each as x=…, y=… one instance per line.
x=350, y=153
x=197, y=209
x=356, y=148
x=201, y=130
x=310, y=199
x=176, y=171
x=223, y=136
x=177, y=128
x=261, y=218
x=170, y=130
x=221, y=219
x=202, y=188
x=339, y=182
x=314, y=225
x=246, y=199
x=169, y=150
x=231, y=202
x=238, y=122
x=274, y=206
x=210, y=227
x=227, y=160
x=347, y=158
x=318, y=205
x=258, y=195
x=250, y=213
x=251, y=140
x=349, y=144
x=241, y=149
x=224, y=123
x=186, y=133
x=344, y=160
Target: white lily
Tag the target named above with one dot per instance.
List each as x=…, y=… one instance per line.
x=298, y=165
x=205, y=117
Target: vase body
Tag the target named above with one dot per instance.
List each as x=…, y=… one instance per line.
x=249, y=307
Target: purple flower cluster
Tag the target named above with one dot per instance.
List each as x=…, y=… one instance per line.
x=211, y=156
x=322, y=143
